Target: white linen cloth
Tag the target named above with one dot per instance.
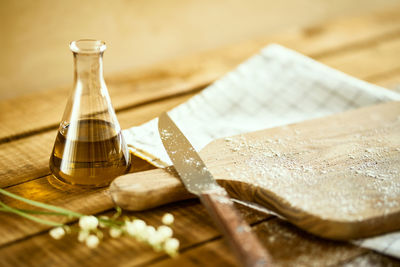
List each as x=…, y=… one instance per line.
x=276, y=87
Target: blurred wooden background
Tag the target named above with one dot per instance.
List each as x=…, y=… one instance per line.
x=35, y=34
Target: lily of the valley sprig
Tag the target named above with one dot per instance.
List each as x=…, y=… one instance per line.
x=90, y=229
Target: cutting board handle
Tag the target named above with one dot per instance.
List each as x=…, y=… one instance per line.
x=141, y=191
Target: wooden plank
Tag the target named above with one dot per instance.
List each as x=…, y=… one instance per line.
x=84, y=201
x=13, y=228
x=27, y=158
x=376, y=60
x=187, y=213
x=134, y=88
x=287, y=245
x=307, y=253
x=199, y=242
x=45, y=109
x=159, y=30
x=390, y=80
x=201, y=255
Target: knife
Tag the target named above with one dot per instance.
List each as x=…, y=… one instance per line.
x=199, y=181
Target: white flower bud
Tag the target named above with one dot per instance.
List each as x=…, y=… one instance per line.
x=130, y=228
x=140, y=225
x=150, y=231
x=155, y=239
x=83, y=235
x=164, y=231
x=115, y=232
x=146, y=233
x=92, y=241
x=88, y=222
x=135, y=227
x=57, y=233
x=168, y=218
x=171, y=246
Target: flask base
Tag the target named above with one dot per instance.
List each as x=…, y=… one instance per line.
x=65, y=186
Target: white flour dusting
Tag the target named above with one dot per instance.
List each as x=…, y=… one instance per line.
x=346, y=178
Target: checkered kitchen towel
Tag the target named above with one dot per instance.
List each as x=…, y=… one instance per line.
x=275, y=87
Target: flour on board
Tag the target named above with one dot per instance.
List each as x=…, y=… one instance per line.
x=302, y=171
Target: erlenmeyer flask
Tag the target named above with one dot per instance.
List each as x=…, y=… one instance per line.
x=89, y=150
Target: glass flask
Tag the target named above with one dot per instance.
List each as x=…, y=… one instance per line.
x=89, y=150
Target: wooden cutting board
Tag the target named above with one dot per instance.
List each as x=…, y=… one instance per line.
x=337, y=177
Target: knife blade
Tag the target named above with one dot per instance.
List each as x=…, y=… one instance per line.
x=198, y=180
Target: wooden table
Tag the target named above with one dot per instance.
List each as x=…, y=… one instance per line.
x=366, y=47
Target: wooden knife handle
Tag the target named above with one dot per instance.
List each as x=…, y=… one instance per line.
x=237, y=232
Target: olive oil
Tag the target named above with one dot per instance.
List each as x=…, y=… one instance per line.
x=90, y=153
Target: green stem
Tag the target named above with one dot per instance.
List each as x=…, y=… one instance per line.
x=118, y=213
x=42, y=205
x=57, y=211
x=111, y=222
x=7, y=208
x=43, y=212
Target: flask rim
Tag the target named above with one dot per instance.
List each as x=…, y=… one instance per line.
x=87, y=46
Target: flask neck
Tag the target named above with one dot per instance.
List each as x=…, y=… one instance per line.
x=88, y=76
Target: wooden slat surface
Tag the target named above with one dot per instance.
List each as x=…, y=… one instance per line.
x=274, y=233
x=27, y=158
x=366, y=47
x=185, y=214
x=305, y=250
x=130, y=89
